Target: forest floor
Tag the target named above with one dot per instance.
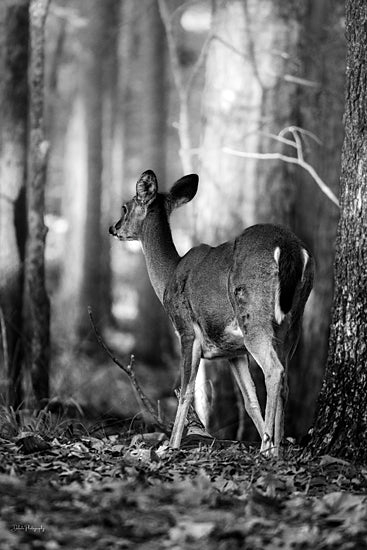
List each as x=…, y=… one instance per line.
x=118, y=491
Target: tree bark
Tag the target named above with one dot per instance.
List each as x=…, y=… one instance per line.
x=36, y=313
x=320, y=110
x=14, y=36
x=341, y=417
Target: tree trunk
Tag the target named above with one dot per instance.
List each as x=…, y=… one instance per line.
x=321, y=106
x=14, y=29
x=341, y=418
x=154, y=333
x=36, y=313
x=85, y=274
x=92, y=90
x=111, y=148
x=246, y=97
x=228, y=93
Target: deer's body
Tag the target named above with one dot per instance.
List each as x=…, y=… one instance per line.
x=245, y=296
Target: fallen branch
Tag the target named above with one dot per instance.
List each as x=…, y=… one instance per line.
x=129, y=370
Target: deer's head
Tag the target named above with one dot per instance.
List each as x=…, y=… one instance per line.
x=147, y=199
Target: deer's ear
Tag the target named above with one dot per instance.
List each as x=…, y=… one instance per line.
x=183, y=191
x=147, y=187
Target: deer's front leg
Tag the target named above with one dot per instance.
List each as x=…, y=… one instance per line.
x=191, y=354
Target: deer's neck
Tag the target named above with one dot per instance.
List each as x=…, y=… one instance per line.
x=160, y=252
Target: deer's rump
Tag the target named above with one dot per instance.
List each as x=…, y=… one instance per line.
x=221, y=289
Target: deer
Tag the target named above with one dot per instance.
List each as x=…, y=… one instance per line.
x=243, y=298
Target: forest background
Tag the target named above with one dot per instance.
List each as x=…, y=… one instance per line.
x=250, y=96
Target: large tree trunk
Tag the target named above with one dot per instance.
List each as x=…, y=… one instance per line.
x=321, y=105
x=246, y=97
x=36, y=313
x=341, y=419
x=14, y=29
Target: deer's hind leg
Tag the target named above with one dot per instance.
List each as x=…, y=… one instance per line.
x=242, y=375
x=255, y=315
x=265, y=356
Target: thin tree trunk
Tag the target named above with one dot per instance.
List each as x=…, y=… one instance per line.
x=73, y=208
x=111, y=147
x=341, y=418
x=154, y=333
x=36, y=302
x=92, y=89
x=14, y=30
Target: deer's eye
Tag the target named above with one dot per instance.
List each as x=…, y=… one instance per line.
x=124, y=210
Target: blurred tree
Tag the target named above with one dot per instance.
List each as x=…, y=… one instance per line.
x=321, y=105
x=154, y=333
x=227, y=95
x=85, y=279
x=182, y=81
x=36, y=309
x=341, y=418
x=94, y=41
x=250, y=94
x=14, y=35
x=112, y=146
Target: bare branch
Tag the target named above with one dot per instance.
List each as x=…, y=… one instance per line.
x=299, y=160
x=278, y=137
x=301, y=81
x=298, y=142
x=300, y=130
x=230, y=46
x=291, y=160
x=200, y=60
x=129, y=370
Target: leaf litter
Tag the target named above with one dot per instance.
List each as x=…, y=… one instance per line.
x=113, y=492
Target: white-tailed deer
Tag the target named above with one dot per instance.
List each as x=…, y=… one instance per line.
x=245, y=296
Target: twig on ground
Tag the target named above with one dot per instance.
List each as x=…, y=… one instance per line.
x=129, y=370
